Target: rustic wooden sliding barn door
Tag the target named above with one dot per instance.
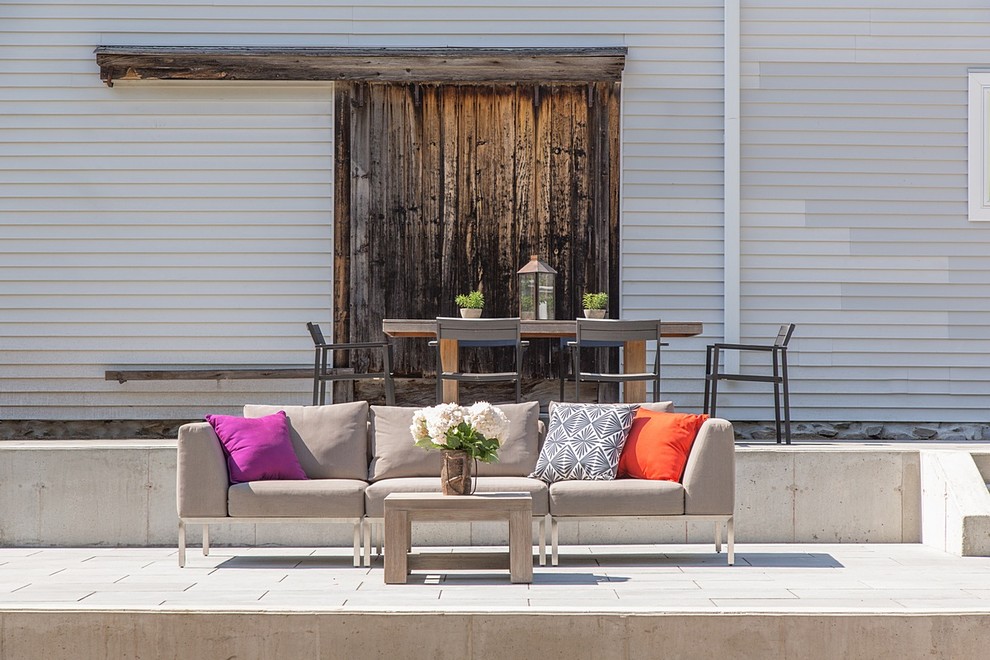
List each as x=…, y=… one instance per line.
x=445, y=188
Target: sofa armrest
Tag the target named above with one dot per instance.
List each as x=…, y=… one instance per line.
x=201, y=473
x=710, y=474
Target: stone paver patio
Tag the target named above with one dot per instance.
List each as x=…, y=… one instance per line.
x=876, y=578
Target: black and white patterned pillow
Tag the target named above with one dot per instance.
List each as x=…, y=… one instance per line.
x=584, y=441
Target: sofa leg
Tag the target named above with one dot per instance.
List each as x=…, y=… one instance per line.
x=554, y=560
x=206, y=540
x=182, y=544
x=379, y=538
x=358, y=537
x=731, y=540
x=369, y=533
x=718, y=537
x=543, y=541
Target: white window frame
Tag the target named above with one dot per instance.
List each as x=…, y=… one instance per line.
x=979, y=146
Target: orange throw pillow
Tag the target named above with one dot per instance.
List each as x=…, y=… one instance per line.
x=658, y=445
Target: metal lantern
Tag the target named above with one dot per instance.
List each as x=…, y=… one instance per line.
x=537, y=290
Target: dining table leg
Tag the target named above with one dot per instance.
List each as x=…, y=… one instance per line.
x=448, y=360
x=634, y=362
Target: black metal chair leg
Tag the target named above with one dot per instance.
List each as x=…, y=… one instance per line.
x=708, y=377
x=714, y=381
x=787, y=397
x=316, y=377
x=576, y=367
x=389, y=383
x=562, y=358
x=323, y=383
x=776, y=395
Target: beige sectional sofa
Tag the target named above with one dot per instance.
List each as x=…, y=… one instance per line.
x=355, y=455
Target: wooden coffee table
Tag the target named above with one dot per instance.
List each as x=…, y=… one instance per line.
x=402, y=509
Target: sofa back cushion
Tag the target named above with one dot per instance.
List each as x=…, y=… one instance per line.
x=657, y=406
x=393, y=453
x=330, y=441
x=517, y=455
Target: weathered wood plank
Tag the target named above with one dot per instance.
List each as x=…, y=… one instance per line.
x=343, y=98
x=610, y=100
x=454, y=186
x=360, y=64
x=207, y=372
x=562, y=219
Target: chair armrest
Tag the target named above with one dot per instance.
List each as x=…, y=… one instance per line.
x=350, y=346
x=710, y=474
x=201, y=473
x=747, y=347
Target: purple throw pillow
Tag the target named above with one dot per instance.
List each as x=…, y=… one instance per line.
x=258, y=448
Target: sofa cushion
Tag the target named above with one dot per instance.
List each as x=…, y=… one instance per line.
x=655, y=406
x=315, y=498
x=622, y=497
x=658, y=445
x=374, y=495
x=330, y=441
x=517, y=455
x=584, y=441
x=658, y=406
x=393, y=453
x=257, y=448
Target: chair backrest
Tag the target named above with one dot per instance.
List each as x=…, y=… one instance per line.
x=315, y=333
x=784, y=335
x=604, y=332
x=479, y=332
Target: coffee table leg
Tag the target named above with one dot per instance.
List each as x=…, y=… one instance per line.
x=521, y=546
x=396, y=546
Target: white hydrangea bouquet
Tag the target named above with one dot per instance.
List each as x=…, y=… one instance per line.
x=478, y=430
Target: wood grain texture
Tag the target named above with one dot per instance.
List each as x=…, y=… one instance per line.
x=402, y=509
x=207, y=372
x=454, y=186
x=365, y=64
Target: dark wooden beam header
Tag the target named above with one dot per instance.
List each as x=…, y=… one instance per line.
x=447, y=65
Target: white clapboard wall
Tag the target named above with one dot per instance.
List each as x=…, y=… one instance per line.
x=854, y=145
x=154, y=223
x=192, y=222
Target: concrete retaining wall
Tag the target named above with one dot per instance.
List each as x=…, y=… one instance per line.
x=113, y=493
x=955, y=503
x=68, y=635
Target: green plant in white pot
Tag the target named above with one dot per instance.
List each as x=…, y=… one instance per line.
x=471, y=304
x=595, y=304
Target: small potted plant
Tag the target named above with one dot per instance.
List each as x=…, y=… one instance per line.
x=470, y=304
x=595, y=304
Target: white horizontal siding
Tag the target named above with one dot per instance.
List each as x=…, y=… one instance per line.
x=854, y=208
x=191, y=222
x=156, y=223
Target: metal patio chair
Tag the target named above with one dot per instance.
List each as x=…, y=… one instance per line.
x=480, y=333
x=610, y=333
x=778, y=377
x=324, y=372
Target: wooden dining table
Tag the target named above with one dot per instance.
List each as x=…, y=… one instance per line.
x=634, y=353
